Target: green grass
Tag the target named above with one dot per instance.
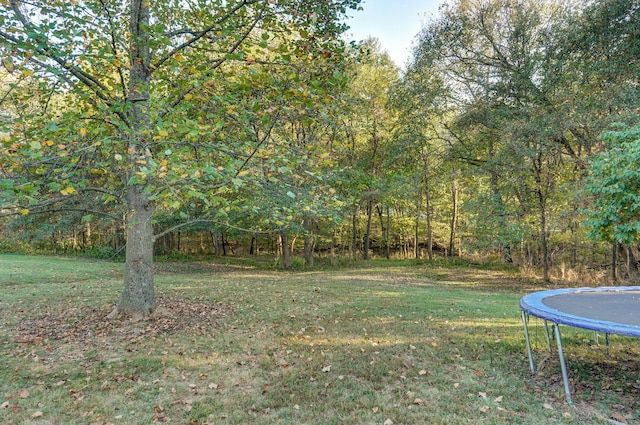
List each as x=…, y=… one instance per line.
x=399, y=341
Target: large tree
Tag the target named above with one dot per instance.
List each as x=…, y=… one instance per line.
x=130, y=99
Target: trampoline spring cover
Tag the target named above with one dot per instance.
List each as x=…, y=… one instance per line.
x=612, y=310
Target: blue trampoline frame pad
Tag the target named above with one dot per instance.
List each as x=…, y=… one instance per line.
x=611, y=310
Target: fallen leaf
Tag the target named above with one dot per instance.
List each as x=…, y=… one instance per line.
x=23, y=394
x=485, y=409
x=456, y=385
x=375, y=410
x=326, y=368
x=388, y=422
x=423, y=372
x=547, y=406
x=37, y=414
x=418, y=401
x=482, y=395
x=498, y=399
x=619, y=418
x=4, y=405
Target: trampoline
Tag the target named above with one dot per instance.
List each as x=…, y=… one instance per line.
x=611, y=310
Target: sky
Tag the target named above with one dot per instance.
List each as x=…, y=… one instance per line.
x=394, y=22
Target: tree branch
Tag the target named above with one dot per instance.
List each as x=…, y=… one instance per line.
x=200, y=34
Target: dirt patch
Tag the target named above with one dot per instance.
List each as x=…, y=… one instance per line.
x=89, y=325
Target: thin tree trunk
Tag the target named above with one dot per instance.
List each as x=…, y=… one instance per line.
x=332, y=250
x=216, y=243
x=385, y=230
x=542, y=210
x=286, y=253
x=417, y=224
x=367, y=234
x=354, y=233
x=309, y=241
x=427, y=196
x=544, y=239
x=454, y=216
x=614, y=262
x=387, y=239
x=223, y=243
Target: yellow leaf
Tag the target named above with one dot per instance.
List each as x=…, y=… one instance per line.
x=68, y=190
x=188, y=96
x=24, y=211
x=49, y=142
x=82, y=131
x=163, y=133
x=324, y=155
x=243, y=173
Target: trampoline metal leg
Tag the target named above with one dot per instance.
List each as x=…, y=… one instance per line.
x=563, y=366
x=532, y=364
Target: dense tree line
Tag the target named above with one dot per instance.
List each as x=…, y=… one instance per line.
x=249, y=126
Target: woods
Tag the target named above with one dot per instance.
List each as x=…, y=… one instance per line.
x=253, y=126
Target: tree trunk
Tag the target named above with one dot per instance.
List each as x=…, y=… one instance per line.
x=455, y=193
x=384, y=225
x=354, y=233
x=427, y=196
x=216, y=243
x=138, y=294
x=629, y=259
x=332, y=250
x=286, y=252
x=387, y=238
x=309, y=241
x=544, y=239
x=416, y=249
x=614, y=262
x=367, y=234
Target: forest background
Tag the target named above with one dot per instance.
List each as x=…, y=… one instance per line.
x=250, y=127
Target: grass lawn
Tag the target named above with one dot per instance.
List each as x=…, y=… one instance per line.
x=234, y=343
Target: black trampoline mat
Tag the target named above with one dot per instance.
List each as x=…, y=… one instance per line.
x=618, y=307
